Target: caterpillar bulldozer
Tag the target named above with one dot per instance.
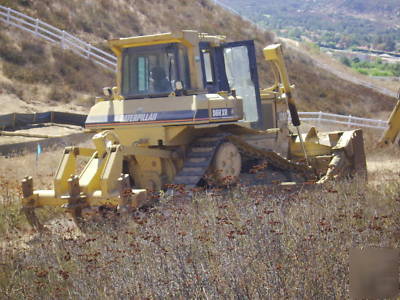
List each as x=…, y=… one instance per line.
x=188, y=111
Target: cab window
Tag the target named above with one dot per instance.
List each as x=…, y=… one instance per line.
x=153, y=71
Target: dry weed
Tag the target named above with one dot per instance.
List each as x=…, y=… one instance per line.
x=246, y=242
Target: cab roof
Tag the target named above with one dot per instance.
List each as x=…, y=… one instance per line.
x=188, y=38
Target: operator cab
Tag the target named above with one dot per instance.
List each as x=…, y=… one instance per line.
x=154, y=71
x=189, y=63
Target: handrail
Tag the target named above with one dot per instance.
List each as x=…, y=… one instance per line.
x=52, y=34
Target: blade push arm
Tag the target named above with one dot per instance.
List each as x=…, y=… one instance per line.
x=393, y=130
x=274, y=55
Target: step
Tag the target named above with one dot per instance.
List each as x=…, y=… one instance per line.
x=186, y=180
x=202, y=149
x=200, y=155
x=197, y=164
x=208, y=139
x=184, y=173
x=193, y=170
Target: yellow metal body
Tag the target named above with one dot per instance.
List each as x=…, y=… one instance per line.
x=390, y=135
x=188, y=38
x=131, y=138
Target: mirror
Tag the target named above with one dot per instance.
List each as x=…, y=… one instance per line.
x=178, y=85
x=107, y=91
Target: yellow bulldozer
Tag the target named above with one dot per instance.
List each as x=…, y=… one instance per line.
x=392, y=132
x=188, y=111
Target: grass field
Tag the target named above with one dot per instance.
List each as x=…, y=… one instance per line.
x=247, y=242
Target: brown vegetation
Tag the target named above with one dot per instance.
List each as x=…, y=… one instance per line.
x=35, y=70
x=247, y=242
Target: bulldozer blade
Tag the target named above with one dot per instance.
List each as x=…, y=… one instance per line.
x=125, y=192
x=76, y=202
x=76, y=214
x=28, y=209
x=33, y=219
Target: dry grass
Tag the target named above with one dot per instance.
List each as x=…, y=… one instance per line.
x=247, y=242
x=36, y=71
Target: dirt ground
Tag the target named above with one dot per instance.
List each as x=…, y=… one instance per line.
x=11, y=103
x=50, y=130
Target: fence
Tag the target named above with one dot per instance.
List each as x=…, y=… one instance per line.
x=62, y=38
x=15, y=120
x=350, y=121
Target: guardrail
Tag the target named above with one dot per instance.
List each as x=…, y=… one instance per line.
x=350, y=121
x=52, y=34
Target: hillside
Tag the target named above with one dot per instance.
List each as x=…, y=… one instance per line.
x=337, y=23
x=31, y=71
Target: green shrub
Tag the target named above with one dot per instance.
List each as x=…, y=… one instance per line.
x=362, y=71
x=381, y=73
x=345, y=60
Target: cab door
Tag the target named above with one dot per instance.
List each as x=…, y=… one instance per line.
x=213, y=68
x=242, y=75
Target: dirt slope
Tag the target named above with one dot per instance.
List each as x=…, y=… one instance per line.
x=33, y=71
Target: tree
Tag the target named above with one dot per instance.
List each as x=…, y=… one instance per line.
x=396, y=69
x=390, y=45
x=345, y=60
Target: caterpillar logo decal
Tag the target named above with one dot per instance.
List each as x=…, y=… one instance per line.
x=148, y=118
x=160, y=117
x=143, y=117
